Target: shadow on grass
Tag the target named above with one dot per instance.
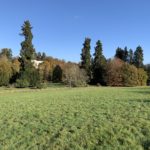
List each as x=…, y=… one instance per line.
x=146, y=145
x=141, y=101
x=141, y=91
x=144, y=94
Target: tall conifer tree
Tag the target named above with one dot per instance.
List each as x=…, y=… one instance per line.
x=122, y=54
x=138, y=57
x=99, y=64
x=86, y=57
x=131, y=54
x=29, y=75
x=119, y=53
x=27, y=52
x=125, y=59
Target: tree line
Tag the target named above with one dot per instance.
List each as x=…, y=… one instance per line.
x=125, y=69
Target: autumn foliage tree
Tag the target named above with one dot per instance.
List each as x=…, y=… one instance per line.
x=129, y=74
x=46, y=69
x=142, y=77
x=15, y=70
x=5, y=71
x=120, y=73
x=114, y=77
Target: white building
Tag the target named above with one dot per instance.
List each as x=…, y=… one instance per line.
x=36, y=63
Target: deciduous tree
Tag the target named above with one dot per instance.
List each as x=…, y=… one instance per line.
x=5, y=71
x=142, y=77
x=73, y=76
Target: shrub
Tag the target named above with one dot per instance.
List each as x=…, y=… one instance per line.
x=42, y=86
x=22, y=83
x=35, y=78
x=29, y=77
x=73, y=76
x=142, y=77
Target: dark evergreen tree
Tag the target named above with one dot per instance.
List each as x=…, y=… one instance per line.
x=147, y=69
x=86, y=57
x=39, y=56
x=43, y=56
x=29, y=75
x=27, y=52
x=34, y=79
x=138, y=57
x=119, y=53
x=131, y=59
x=122, y=54
x=99, y=64
x=57, y=74
x=125, y=59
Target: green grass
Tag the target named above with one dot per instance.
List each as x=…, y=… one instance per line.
x=92, y=118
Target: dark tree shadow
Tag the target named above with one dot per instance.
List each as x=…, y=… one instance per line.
x=140, y=90
x=141, y=101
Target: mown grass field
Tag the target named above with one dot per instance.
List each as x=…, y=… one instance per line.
x=92, y=118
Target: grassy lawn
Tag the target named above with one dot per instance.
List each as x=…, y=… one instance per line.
x=91, y=118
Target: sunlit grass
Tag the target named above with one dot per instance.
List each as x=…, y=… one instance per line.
x=79, y=118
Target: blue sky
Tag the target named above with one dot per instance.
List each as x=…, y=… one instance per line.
x=60, y=26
